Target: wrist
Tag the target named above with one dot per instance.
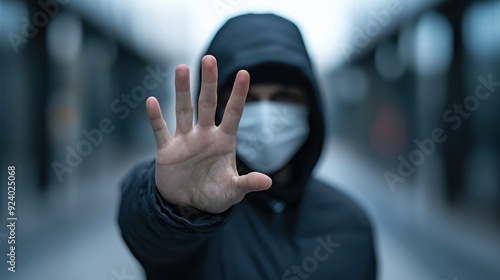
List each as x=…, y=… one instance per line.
x=187, y=212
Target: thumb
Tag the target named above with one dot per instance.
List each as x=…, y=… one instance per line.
x=254, y=181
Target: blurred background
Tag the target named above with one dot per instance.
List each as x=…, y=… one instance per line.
x=411, y=90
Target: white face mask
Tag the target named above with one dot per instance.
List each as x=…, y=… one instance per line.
x=271, y=133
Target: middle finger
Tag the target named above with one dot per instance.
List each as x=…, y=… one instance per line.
x=207, y=103
x=183, y=105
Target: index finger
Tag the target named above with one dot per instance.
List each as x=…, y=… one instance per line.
x=236, y=103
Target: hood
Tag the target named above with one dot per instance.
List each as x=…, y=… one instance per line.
x=254, y=41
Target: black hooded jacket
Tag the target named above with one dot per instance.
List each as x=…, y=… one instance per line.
x=304, y=230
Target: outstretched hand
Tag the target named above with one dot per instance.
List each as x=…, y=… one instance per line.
x=197, y=167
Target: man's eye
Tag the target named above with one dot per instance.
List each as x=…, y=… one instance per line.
x=251, y=98
x=284, y=96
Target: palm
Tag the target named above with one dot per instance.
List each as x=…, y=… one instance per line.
x=202, y=163
x=197, y=167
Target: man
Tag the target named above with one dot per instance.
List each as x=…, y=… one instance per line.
x=235, y=199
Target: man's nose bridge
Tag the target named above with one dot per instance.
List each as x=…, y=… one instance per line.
x=285, y=115
x=280, y=118
x=264, y=98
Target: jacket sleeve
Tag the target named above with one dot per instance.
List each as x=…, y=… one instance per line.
x=166, y=244
x=372, y=268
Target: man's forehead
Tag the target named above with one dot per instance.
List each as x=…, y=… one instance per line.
x=274, y=87
x=272, y=91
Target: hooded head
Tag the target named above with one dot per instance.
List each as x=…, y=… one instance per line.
x=272, y=50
